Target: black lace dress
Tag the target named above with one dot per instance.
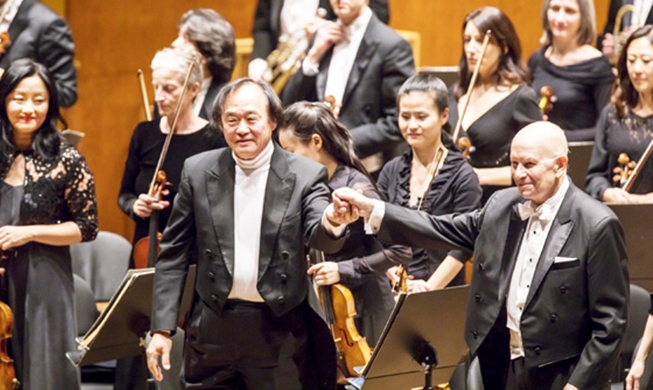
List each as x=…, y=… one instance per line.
x=631, y=135
x=455, y=189
x=39, y=276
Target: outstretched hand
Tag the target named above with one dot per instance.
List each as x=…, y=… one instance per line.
x=160, y=346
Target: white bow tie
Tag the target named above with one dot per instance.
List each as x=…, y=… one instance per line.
x=527, y=211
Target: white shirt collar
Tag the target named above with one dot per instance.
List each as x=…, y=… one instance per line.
x=358, y=26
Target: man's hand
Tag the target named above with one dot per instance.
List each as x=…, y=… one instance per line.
x=607, y=44
x=341, y=212
x=327, y=35
x=325, y=273
x=160, y=346
x=14, y=236
x=347, y=197
x=145, y=204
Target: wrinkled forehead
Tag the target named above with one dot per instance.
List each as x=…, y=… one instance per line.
x=246, y=99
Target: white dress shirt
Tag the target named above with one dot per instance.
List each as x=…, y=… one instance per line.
x=540, y=221
x=249, y=196
x=644, y=8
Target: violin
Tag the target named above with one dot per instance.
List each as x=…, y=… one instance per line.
x=464, y=143
x=628, y=170
x=547, y=99
x=5, y=42
x=8, y=379
x=340, y=309
x=158, y=183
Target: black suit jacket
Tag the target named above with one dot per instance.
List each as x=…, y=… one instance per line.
x=209, y=98
x=39, y=33
x=267, y=22
x=575, y=309
x=383, y=62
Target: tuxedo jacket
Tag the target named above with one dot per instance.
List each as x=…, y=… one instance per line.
x=612, y=15
x=39, y=33
x=209, y=98
x=575, y=309
x=383, y=62
x=267, y=22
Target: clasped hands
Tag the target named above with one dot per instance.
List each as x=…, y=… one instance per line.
x=348, y=205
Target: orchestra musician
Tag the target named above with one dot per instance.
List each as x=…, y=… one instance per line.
x=283, y=19
x=249, y=213
x=47, y=203
x=311, y=130
x=192, y=135
x=549, y=294
x=37, y=32
x=626, y=125
x=630, y=22
x=419, y=180
x=501, y=102
x=580, y=75
x=211, y=35
x=639, y=361
x=361, y=63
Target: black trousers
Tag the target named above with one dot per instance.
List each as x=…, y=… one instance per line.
x=552, y=376
x=245, y=347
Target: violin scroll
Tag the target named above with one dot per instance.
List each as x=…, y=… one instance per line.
x=547, y=100
x=624, y=170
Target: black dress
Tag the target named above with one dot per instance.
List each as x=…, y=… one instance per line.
x=39, y=276
x=631, y=135
x=582, y=90
x=455, y=189
x=371, y=290
x=144, y=150
x=492, y=133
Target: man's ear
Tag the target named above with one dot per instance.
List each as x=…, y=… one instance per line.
x=561, y=164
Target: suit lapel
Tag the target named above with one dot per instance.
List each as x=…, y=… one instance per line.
x=561, y=228
x=220, y=182
x=278, y=191
x=365, y=53
x=511, y=249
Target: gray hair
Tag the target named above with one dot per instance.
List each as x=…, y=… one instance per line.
x=179, y=60
x=214, y=38
x=586, y=33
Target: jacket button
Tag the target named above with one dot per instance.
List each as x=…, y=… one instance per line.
x=553, y=318
x=481, y=266
x=283, y=278
x=538, y=350
x=478, y=298
x=281, y=300
x=475, y=334
x=285, y=255
x=563, y=290
x=211, y=275
x=214, y=298
x=208, y=251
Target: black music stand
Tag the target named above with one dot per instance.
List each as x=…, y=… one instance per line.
x=121, y=328
x=579, y=160
x=637, y=223
x=425, y=326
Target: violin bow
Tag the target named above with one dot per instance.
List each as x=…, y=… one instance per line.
x=146, y=100
x=470, y=87
x=638, y=168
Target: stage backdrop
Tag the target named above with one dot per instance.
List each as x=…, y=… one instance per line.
x=115, y=38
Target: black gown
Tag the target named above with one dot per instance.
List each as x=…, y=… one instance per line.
x=582, y=90
x=492, y=133
x=39, y=276
x=454, y=189
x=631, y=135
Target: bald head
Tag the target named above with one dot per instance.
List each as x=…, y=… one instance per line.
x=548, y=137
x=538, y=159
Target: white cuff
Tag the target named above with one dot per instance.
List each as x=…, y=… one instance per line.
x=373, y=223
x=257, y=68
x=334, y=231
x=309, y=68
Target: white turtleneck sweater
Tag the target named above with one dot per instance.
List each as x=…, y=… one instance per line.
x=249, y=196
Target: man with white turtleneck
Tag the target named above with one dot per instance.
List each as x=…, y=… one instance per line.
x=249, y=213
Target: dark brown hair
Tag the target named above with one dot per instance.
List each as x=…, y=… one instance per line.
x=624, y=95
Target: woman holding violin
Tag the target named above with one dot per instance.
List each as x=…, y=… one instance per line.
x=47, y=202
x=500, y=101
x=311, y=130
x=191, y=135
x=579, y=74
x=626, y=126
x=431, y=176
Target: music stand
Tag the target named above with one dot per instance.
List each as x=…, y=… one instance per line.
x=121, y=328
x=638, y=229
x=435, y=318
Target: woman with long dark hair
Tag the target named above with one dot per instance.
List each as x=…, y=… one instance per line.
x=47, y=203
x=501, y=102
x=626, y=125
x=313, y=131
